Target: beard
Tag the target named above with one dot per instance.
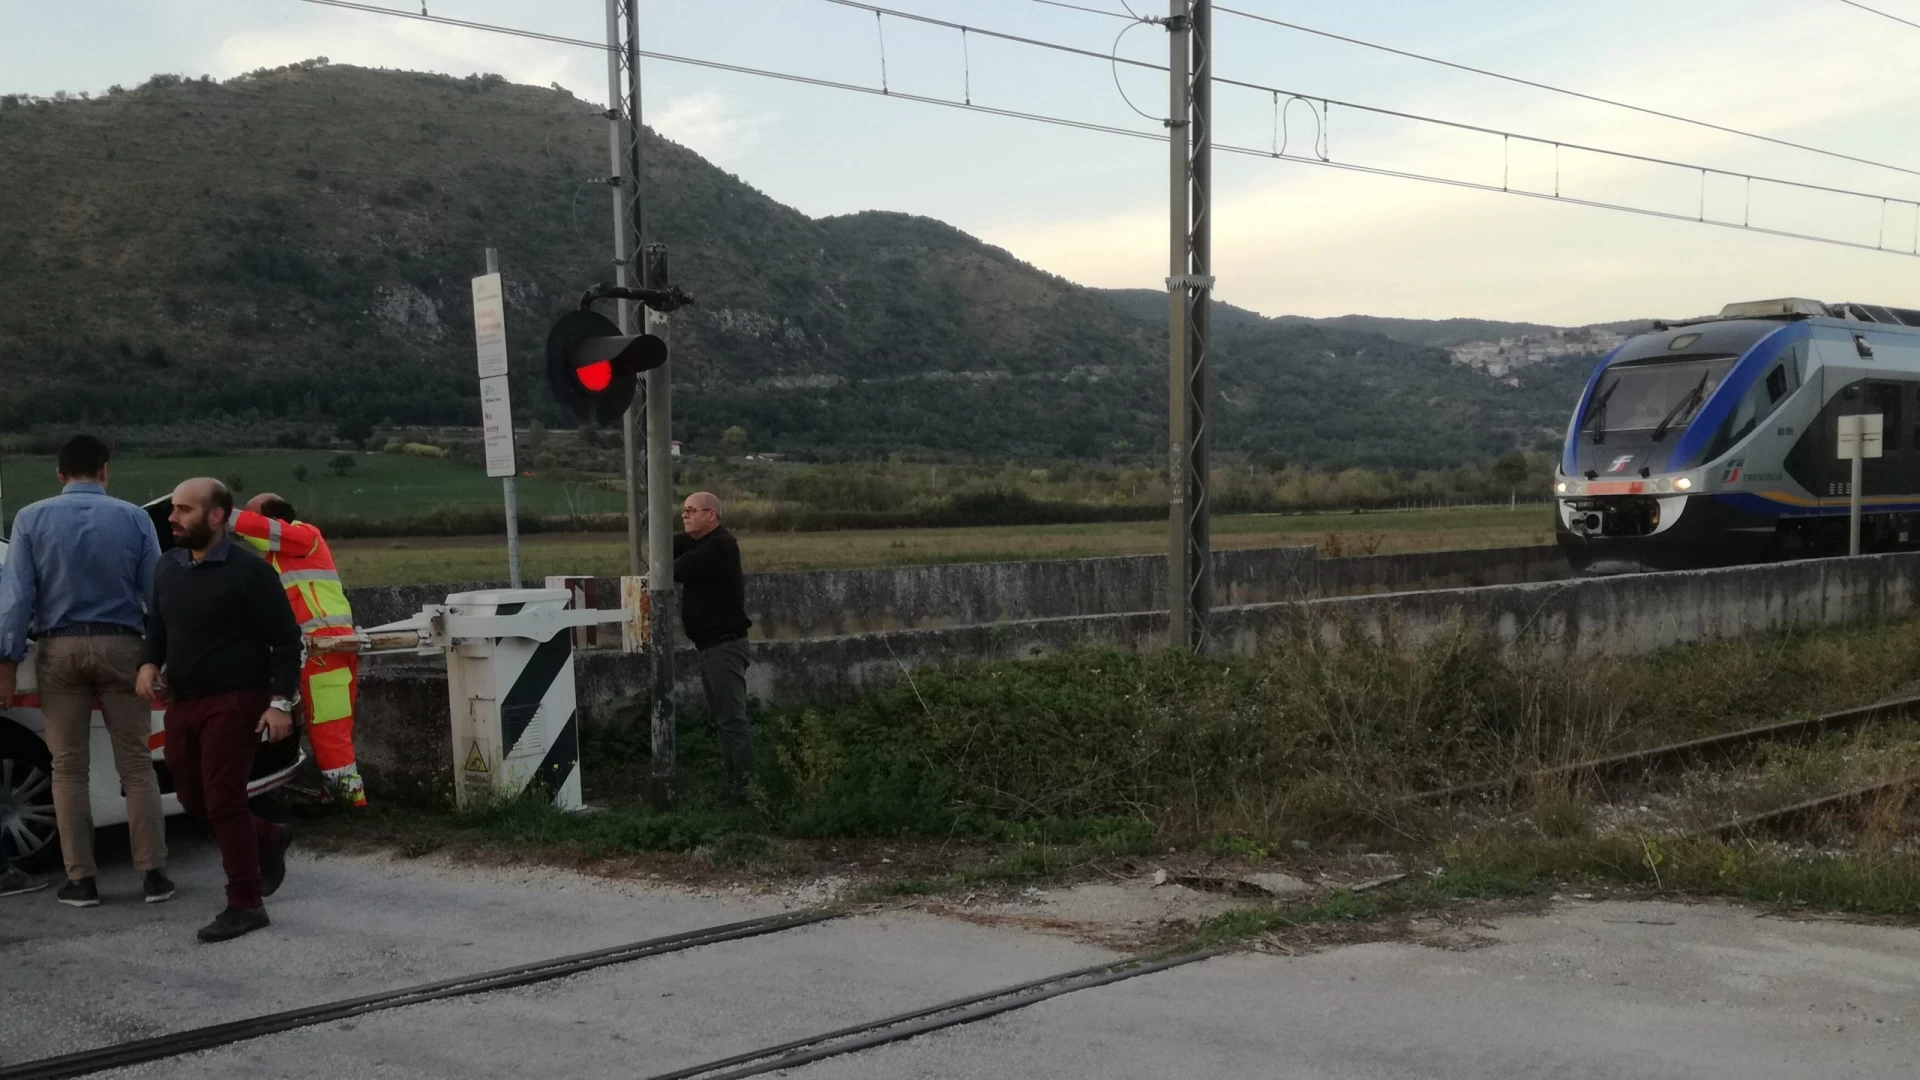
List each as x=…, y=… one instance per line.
x=195, y=538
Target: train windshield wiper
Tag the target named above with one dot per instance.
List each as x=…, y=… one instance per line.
x=1684, y=407
x=1597, y=415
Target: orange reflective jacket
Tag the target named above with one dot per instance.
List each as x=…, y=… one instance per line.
x=300, y=556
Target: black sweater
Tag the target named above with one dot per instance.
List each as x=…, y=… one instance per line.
x=713, y=597
x=222, y=624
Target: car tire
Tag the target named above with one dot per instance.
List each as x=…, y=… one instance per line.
x=26, y=800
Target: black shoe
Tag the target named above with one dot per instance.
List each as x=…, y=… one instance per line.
x=233, y=922
x=159, y=887
x=273, y=863
x=14, y=883
x=82, y=893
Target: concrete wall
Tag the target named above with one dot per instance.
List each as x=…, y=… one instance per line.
x=1412, y=570
x=403, y=728
x=831, y=603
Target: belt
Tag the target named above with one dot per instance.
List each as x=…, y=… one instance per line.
x=723, y=639
x=92, y=629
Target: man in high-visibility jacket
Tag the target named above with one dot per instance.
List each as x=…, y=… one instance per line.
x=329, y=681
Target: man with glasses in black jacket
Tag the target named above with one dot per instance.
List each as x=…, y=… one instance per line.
x=713, y=609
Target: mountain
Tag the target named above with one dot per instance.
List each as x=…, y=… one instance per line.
x=1448, y=333
x=292, y=248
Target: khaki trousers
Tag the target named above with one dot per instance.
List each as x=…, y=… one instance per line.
x=73, y=673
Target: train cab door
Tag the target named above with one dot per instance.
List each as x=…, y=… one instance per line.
x=1890, y=473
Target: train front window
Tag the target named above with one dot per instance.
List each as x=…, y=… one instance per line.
x=1643, y=396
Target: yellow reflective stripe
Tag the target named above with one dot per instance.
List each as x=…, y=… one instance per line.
x=298, y=577
x=257, y=543
x=327, y=597
x=327, y=620
x=330, y=696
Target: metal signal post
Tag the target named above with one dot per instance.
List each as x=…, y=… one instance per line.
x=647, y=427
x=629, y=226
x=1189, y=28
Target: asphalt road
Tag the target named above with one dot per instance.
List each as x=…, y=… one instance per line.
x=1588, y=990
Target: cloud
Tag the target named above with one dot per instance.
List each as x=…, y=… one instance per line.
x=711, y=124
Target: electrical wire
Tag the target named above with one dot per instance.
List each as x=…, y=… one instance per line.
x=1092, y=11
x=1882, y=14
x=1082, y=125
x=135, y=98
x=422, y=16
x=1541, y=140
x=1722, y=128
x=1422, y=57
x=1113, y=65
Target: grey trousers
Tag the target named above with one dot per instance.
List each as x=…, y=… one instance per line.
x=723, y=675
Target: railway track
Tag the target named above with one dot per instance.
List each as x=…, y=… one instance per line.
x=1799, y=814
x=792, y=1053
x=1652, y=762
x=161, y=1047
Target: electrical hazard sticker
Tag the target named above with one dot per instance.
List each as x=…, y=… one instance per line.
x=476, y=761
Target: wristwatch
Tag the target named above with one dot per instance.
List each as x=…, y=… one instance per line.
x=285, y=705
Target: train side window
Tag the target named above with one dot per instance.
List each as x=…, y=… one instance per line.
x=1777, y=383
x=1752, y=408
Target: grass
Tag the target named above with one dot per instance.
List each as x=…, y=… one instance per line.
x=984, y=776
x=1005, y=773
x=381, y=486
x=417, y=560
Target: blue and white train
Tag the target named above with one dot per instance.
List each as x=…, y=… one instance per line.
x=1714, y=441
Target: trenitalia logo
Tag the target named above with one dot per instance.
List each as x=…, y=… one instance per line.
x=1620, y=463
x=1732, y=474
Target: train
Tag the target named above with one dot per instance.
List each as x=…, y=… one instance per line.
x=1715, y=441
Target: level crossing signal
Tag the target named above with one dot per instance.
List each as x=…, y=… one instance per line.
x=594, y=368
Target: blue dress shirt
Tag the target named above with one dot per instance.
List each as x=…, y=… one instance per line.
x=79, y=557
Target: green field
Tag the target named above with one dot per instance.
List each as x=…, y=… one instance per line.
x=388, y=487
x=413, y=560
x=381, y=487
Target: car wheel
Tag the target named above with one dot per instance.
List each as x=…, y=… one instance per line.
x=27, y=829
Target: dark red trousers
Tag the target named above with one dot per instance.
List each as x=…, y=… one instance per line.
x=211, y=742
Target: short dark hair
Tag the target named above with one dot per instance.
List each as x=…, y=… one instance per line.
x=278, y=509
x=82, y=457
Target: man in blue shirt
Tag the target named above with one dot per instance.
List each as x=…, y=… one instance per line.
x=79, y=570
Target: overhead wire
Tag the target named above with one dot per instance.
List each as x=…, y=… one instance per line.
x=1229, y=148
x=1542, y=140
x=1882, y=14
x=237, y=102
x=1533, y=83
x=1582, y=95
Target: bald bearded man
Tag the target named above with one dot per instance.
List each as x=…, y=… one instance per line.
x=713, y=609
x=223, y=658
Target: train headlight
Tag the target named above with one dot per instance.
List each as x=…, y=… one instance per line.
x=1664, y=486
x=1560, y=488
x=1685, y=483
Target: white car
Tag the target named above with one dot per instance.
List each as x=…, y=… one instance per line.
x=26, y=765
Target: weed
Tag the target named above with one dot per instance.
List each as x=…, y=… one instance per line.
x=1242, y=923
x=1236, y=847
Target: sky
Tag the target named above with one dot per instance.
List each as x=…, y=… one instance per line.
x=1289, y=237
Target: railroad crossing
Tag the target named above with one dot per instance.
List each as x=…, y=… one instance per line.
x=1580, y=987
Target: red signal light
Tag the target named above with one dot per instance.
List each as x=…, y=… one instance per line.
x=596, y=376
